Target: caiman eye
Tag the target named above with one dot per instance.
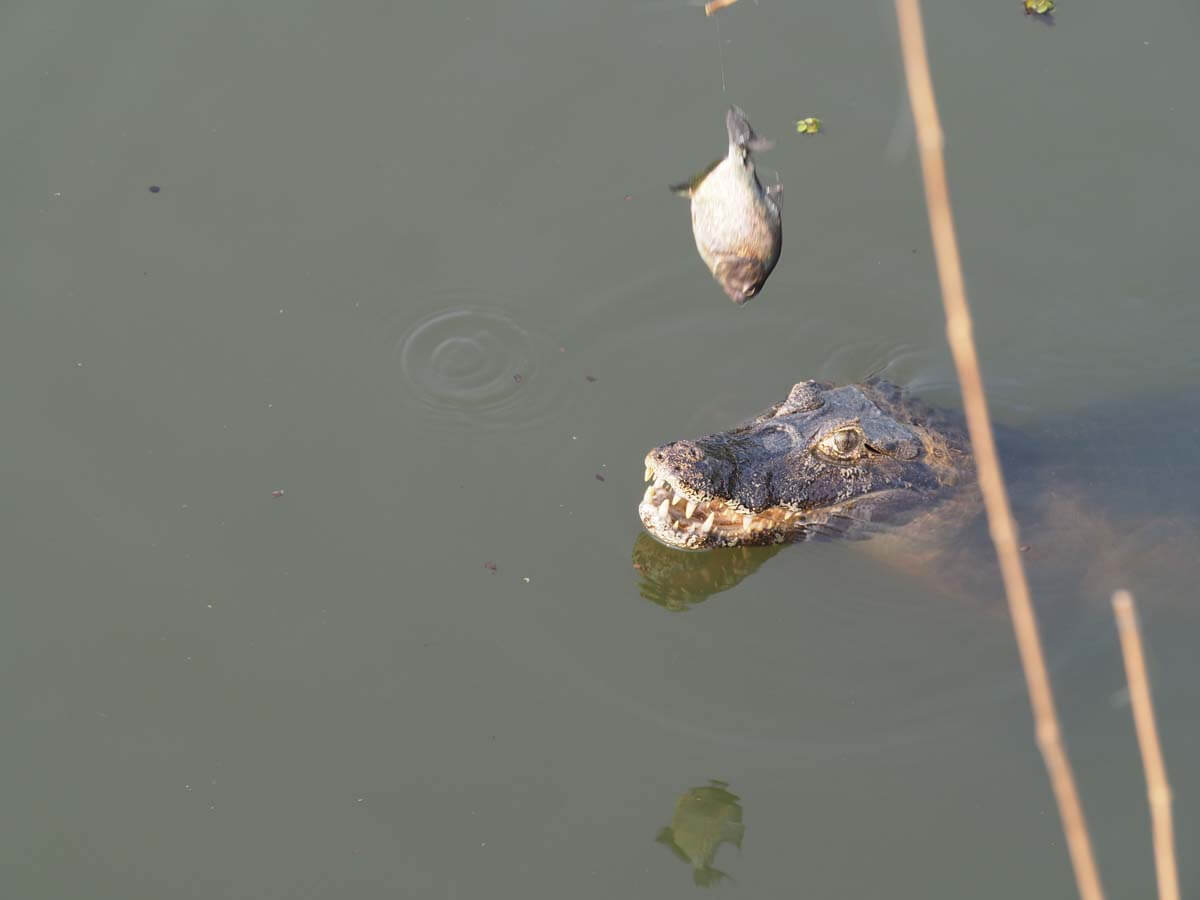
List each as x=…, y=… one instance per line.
x=846, y=443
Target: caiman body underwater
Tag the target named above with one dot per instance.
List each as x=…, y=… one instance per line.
x=1111, y=493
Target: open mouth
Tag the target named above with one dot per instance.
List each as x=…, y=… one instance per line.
x=676, y=517
x=680, y=518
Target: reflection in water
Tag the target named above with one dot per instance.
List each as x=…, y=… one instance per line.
x=679, y=579
x=477, y=365
x=705, y=818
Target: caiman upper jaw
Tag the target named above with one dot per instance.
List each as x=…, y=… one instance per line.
x=681, y=518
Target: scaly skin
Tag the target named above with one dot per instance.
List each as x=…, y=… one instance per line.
x=826, y=461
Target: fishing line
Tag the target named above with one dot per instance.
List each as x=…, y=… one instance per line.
x=710, y=9
x=720, y=52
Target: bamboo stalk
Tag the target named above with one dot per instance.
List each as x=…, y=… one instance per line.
x=991, y=482
x=1157, y=788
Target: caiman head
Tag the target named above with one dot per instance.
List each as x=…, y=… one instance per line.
x=834, y=461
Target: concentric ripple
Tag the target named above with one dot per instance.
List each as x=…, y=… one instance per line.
x=477, y=365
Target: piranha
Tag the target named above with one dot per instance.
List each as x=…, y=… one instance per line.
x=737, y=223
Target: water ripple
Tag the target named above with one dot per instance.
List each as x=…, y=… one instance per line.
x=478, y=365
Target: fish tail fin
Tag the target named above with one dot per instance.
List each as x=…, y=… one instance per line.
x=740, y=132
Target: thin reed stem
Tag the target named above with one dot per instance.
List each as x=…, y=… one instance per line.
x=1157, y=788
x=991, y=482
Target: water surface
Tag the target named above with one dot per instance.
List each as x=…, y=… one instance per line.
x=415, y=267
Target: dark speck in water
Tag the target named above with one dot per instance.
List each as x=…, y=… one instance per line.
x=518, y=378
x=154, y=189
x=590, y=377
x=599, y=477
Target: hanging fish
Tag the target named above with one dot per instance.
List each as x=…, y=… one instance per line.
x=737, y=223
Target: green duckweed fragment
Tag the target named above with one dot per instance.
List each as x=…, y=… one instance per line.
x=1038, y=7
x=812, y=125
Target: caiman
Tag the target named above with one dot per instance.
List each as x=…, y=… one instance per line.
x=871, y=461
x=826, y=461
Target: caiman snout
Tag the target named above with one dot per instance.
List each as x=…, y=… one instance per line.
x=682, y=451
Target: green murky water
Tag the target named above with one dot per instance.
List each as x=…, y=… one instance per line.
x=413, y=299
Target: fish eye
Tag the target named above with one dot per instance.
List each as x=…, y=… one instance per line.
x=846, y=443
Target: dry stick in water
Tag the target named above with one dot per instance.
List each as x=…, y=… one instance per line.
x=1157, y=787
x=991, y=483
x=713, y=5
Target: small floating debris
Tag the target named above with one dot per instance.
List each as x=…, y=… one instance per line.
x=154, y=188
x=1038, y=7
x=490, y=566
x=518, y=378
x=812, y=125
x=599, y=477
x=277, y=493
x=590, y=377
x=713, y=5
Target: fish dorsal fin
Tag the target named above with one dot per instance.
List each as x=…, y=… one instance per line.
x=687, y=188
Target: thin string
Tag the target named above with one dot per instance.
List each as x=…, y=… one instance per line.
x=720, y=52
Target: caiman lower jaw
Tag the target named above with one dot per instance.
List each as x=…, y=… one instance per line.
x=680, y=520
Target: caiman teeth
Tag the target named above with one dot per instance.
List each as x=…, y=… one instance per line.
x=671, y=513
x=649, y=474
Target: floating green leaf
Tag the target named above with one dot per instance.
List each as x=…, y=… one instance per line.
x=812, y=126
x=1039, y=7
